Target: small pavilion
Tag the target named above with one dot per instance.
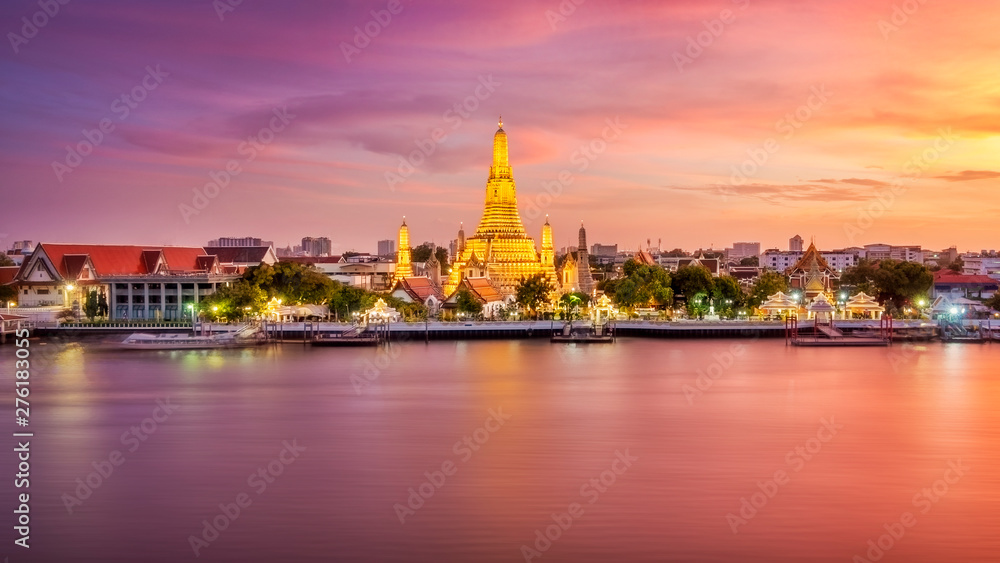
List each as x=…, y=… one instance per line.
x=864, y=305
x=779, y=304
x=821, y=309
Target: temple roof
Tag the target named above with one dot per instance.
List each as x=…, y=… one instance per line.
x=811, y=258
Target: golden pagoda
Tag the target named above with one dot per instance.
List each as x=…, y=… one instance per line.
x=500, y=245
x=404, y=268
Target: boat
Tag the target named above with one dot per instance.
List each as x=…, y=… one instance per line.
x=248, y=336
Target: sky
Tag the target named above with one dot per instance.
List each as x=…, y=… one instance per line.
x=694, y=123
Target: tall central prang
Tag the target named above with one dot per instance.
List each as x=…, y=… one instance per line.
x=501, y=249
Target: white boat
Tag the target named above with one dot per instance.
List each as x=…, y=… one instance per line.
x=248, y=336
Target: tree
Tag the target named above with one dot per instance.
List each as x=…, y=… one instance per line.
x=957, y=266
x=691, y=280
x=900, y=283
x=861, y=278
x=292, y=282
x=90, y=305
x=420, y=253
x=234, y=301
x=102, y=305
x=467, y=303
x=994, y=302
x=532, y=291
x=750, y=261
x=728, y=295
x=769, y=283
x=8, y=293
x=5, y=260
x=568, y=301
x=642, y=285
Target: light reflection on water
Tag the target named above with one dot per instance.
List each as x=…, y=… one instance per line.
x=904, y=417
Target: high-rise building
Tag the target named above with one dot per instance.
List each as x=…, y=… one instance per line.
x=239, y=241
x=795, y=244
x=500, y=248
x=741, y=250
x=316, y=246
x=386, y=248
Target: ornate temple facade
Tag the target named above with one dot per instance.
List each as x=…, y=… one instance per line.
x=813, y=275
x=501, y=249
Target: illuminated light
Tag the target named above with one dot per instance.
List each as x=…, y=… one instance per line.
x=69, y=287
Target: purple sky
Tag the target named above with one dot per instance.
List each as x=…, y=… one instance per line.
x=885, y=94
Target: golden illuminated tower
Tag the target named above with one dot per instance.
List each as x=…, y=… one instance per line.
x=404, y=269
x=500, y=242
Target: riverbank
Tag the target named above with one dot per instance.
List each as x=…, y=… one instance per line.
x=437, y=330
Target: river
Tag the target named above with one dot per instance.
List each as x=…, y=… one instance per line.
x=491, y=451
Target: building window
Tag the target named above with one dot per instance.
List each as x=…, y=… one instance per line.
x=119, y=299
x=42, y=291
x=121, y=286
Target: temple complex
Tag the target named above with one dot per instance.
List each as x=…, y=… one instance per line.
x=584, y=278
x=501, y=249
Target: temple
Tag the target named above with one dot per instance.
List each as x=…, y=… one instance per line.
x=501, y=249
x=813, y=275
x=404, y=268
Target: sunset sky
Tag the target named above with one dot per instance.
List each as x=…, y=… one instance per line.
x=920, y=88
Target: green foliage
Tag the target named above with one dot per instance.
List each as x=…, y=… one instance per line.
x=642, y=286
x=467, y=303
x=8, y=293
x=994, y=302
x=895, y=283
x=692, y=280
x=234, y=301
x=750, y=261
x=533, y=291
x=91, y=308
x=5, y=260
x=420, y=253
x=728, y=295
x=769, y=283
x=102, y=305
x=957, y=266
x=293, y=283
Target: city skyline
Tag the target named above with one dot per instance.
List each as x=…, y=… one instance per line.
x=819, y=108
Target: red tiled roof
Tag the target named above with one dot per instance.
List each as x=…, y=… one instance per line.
x=420, y=288
x=111, y=259
x=950, y=277
x=7, y=274
x=483, y=288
